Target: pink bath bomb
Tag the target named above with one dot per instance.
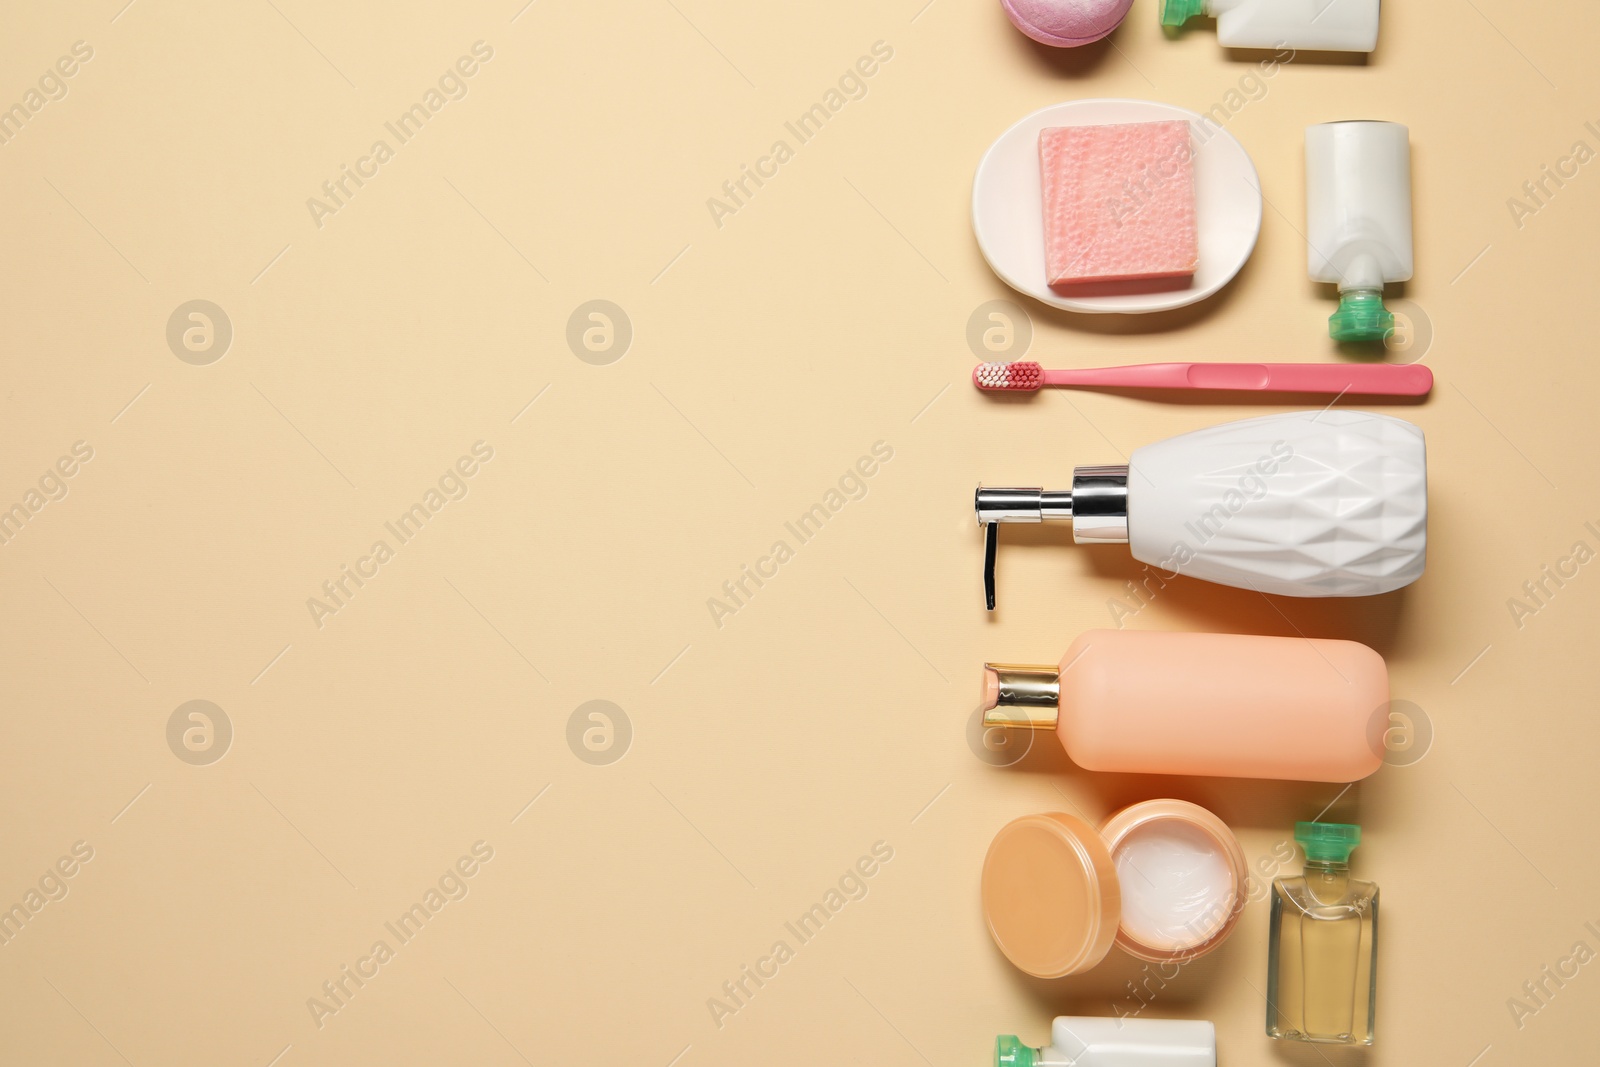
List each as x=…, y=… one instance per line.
x=1066, y=23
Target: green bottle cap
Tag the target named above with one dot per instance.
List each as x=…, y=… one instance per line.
x=1361, y=317
x=1327, y=841
x=1176, y=12
x=1009, y=1051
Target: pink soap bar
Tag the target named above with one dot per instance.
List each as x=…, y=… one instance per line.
x=1118, y=202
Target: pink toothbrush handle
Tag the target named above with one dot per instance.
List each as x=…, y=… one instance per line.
x=1359, y=379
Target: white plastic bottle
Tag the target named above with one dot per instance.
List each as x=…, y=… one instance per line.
x=1328, y=503
x=1358, y=219
x=1082, y=1041
x=1305, y=503
x=1302, y=25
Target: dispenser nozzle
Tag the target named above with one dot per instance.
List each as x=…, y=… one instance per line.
x=1021, y=505
x=1097, y=505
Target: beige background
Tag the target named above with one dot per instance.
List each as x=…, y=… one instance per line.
x=768, y=354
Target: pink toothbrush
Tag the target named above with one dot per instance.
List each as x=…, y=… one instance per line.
x=1360, y=379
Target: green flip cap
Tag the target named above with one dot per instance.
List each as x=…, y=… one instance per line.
x=1177, y=12
x=1009, y=1051
x=1329, y=842
x=1361, y=317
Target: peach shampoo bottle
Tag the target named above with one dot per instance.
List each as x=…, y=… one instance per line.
x=1222, y=705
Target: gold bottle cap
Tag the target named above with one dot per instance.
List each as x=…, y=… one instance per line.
x=1021, y=695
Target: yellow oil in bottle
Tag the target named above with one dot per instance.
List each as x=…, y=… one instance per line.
x=1321, y=971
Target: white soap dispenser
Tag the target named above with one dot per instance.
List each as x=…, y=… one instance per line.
x=1308, y=503
x=1358, y=220
x=1298, y=25
x=1083, y=1041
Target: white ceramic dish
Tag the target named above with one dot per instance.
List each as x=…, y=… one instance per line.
x=1008, y=215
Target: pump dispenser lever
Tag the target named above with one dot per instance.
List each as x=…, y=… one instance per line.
x=1096, y=505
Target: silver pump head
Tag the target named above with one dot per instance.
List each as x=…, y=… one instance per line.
x=1097, y=506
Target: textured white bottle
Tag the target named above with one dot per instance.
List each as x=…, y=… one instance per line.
x=1309, y=25
x=1310, y=504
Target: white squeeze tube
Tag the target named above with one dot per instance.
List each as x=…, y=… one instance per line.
x=1358, y=220
x=1082, y=1041
x=1302, y=25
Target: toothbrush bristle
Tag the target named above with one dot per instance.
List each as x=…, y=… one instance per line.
x=1021, y=376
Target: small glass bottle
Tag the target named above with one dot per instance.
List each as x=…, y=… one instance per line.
x=1323, y=953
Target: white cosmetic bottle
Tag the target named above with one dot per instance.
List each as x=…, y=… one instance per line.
x=1358, y=219
x=1299, y=25
x=1306, y=503
x=1082, y=1041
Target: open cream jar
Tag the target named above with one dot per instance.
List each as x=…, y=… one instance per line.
x=1164, y=879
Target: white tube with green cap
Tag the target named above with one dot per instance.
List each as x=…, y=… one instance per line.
x=1083, y=1041
x=1358, y=220
x=1299, y=25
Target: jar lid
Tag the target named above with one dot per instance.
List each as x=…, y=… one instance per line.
x=1050, y=894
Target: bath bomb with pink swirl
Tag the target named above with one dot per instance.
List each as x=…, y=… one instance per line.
x=1066, y=23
